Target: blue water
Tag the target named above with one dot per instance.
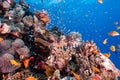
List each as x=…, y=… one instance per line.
x=88, y=17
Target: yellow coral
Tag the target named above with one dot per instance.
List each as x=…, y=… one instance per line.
x=1, y=39
x=31, y=78
x=13, y=62
x=49, y=71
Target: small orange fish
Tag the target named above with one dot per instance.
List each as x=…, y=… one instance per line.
x=1, y=39
x=45, y=19
x=105, y=41
x=95, y=78
x=112, y=48
x=96, y=52
x=107, y=54
x=31, y=78
x=95, y=69
x=75, y=75
x=26, y=62
x=113, y=33
x=100, y=1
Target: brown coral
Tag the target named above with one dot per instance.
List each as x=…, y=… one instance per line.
x=28, y=20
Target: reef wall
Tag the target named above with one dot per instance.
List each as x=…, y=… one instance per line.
x=29, y=51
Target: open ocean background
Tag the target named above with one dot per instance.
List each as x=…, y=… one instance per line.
x=88, y=17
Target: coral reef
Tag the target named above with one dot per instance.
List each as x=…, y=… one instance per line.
x=28, y=50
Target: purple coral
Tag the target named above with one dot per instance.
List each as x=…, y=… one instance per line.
x=5, y=44
x=18, y=43
x=23, y=52
x=5, y=66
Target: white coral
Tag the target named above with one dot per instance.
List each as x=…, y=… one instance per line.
x=6, y=29
x=107, y=63
x=9, y=14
